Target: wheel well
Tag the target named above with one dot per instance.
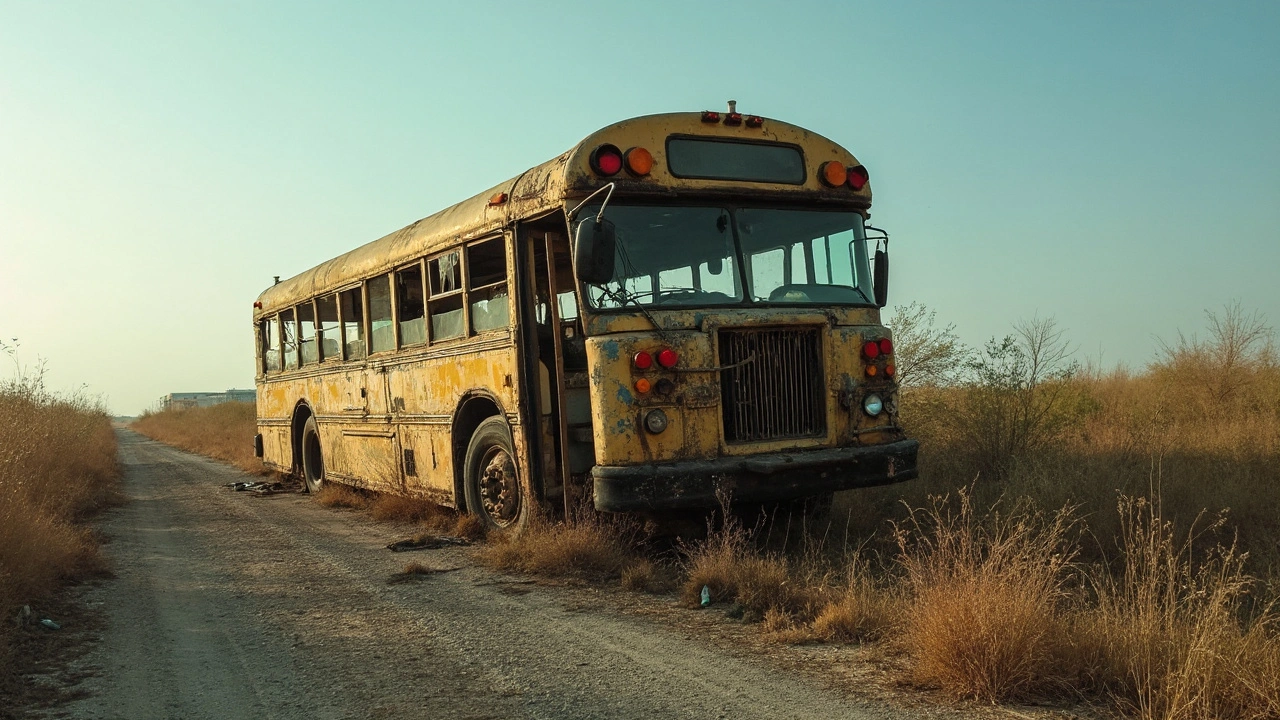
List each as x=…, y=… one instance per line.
x=300, y=415
x=473, y=410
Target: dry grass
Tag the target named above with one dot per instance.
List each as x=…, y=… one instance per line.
x=57, y=466
x=983, y=621
x=334, y=495
x=224, y=432
x=593, y=546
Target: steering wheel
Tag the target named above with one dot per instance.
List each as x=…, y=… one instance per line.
x=789, y=293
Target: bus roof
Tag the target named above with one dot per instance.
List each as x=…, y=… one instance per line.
x=548, y=186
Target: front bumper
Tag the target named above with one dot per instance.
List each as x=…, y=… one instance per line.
x=757, y=478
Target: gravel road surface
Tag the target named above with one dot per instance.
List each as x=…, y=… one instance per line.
x=226, y=605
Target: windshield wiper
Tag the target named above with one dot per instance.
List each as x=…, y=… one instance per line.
x=624, y=298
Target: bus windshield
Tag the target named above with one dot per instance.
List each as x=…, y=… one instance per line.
x=701, y=256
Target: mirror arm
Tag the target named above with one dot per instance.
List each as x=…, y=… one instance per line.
x=599, y=216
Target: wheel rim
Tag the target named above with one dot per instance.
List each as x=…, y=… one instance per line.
x=313, y=462
x=499, y=487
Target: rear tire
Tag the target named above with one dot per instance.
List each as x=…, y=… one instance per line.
x=312, y=458
x=495, y=492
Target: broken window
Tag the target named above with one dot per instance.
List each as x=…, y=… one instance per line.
x=445, y=305
x=410, y=309
x=307, y=334
x=271, y=344
x=487, y=285
x=327, y=319
x=381, y=330
x=352, y=304
x=289, y=332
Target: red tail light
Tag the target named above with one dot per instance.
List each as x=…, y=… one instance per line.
x=668, y=358
x=886, y=347
x=871, y=349
x=642, y=361
x=858, y=177
x=606, y=160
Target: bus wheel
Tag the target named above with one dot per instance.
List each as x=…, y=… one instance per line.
x=493, y=488
x=312, y=460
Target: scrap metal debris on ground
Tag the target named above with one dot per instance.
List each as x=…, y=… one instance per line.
x=261, y=488
x=427, y=542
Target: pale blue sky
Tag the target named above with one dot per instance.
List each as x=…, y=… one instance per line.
x=1116, y=165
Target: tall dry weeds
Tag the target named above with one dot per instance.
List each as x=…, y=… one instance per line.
x=57, y=467
x=1173, y=634
x=983, y=621
x=223, y=432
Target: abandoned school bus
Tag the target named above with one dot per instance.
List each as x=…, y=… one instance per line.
x=680, y=303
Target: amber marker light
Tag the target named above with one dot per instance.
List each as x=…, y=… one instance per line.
x=832, y=173
x=668, y=358
x=858, y=177
x=639, y=161
x=871, y=371
x=643, y=385
x=642, y=360
x=890, y=370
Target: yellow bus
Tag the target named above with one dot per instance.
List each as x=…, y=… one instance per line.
x=681, y=304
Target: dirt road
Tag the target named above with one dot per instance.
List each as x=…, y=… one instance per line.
x=231, y=606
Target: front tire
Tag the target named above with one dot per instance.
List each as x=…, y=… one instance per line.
x=312, y=458
x=495, y=492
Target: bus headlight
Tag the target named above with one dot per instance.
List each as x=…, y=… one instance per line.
x=655, y=421
x=873, y=405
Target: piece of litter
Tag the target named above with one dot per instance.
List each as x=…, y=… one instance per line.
x=706, y=595
x=50, y=624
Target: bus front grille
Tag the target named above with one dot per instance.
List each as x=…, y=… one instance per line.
x=776, y=390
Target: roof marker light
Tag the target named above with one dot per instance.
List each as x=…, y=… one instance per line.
x=606, y=160
x=832, y=173
x=858, y=177
x=639, y=161
x=754, y=121
x=733, y=118
x=710, y=116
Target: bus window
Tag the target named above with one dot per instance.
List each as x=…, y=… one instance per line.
x=289, y=331
x=307, y=334
x=327, y=315
x=352, y=303
x=381, y=330
x=445, y=274
x=410, y=309
x=445, y=306
x=568, y=305
x=674, y=283
x=271, y=344
x=487, y=285
x=767, y=273
x=719, y=277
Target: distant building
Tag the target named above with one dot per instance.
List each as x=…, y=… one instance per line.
x=206, y=399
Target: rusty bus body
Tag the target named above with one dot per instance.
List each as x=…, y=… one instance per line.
x=366, y=379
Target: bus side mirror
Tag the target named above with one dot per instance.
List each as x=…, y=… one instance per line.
x=880, y=277
x=593, y=249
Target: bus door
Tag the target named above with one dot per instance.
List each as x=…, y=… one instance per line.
x=557, y=361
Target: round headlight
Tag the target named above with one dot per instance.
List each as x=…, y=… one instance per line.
x=656, y=421
x=873, y=405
